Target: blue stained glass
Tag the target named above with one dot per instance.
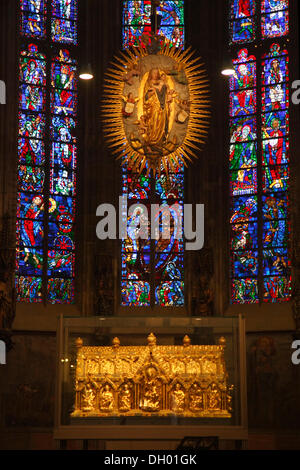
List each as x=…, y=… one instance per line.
x=62, y=210
x=168, y=266
x=62, y=182
x=29, y=289
x=274, y=5
x=60, y=263
x=136, y=12
x=275, y=24
x=60, y=290
x=135, y=294
x=275, y=66
x=275, y=233
x=63, y=102
x=175, y=34
x=275, y=206
x=33, y=18
x=244, y=291
x=31, y=178
x=276, y=262
x=275, y=97
x=275, y=178
x=31, y=151
x=63, y=155
x=242, y=102
x=136, y=186
x=32, y=71
x=244, y=208
x=245, y=264
x=64, y=31
x=30, y=206
x=63, y=75
x=32, y=98
x=63, y=128
x=170, y=188
x=244, y=236
x=170, y=294
x=31, y=125
x=60, y=236
x=171, y=12
x=29, y=261
x=242, y=30
x=275, y=151
x=275, y=123
x=277, y=289
x=65, y=9
x=245, y=72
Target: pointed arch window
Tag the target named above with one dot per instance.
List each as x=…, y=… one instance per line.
x=259, y=162
x=47, y=148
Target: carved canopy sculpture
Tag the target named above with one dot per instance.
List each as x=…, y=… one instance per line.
x=184, y=380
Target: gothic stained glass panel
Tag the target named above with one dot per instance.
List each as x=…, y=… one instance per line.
x=137, y=22
x=135, y=293
x=244, y=291
x=170, y=294
x=243, y=178
x=269, y=201
x=29, y=289
x=37, y=88
x=242, y=24
x=275, y=173
x=31, y=151
x=32, y=98
x=63, y=22
x=33, y=18
x=275, y=18
x=60, y=290
x=277, y=289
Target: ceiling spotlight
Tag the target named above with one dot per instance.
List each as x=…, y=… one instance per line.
x=86, y=73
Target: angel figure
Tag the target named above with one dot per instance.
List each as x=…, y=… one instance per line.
x=129, y=104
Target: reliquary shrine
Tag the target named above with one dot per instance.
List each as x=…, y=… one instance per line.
x=187, y=380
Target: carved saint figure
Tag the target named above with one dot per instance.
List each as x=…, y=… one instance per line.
x=196, y=398
x=89, y=397
x=152, y=391
x=106, y=399
x=177, y=399
x=125, y=398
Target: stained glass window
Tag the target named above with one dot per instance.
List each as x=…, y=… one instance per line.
x=259, y=175
x=242, y=21
x=152, y=271
x=137, y=22
x=33, y=18
x=47, y=159
x=275, y=18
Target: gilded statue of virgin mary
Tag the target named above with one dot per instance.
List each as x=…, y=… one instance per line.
x=157, y=99
x=165, y=117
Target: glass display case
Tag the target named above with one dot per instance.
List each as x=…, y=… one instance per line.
x=166, y=377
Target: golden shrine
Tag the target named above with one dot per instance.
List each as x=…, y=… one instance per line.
x=188, y=380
